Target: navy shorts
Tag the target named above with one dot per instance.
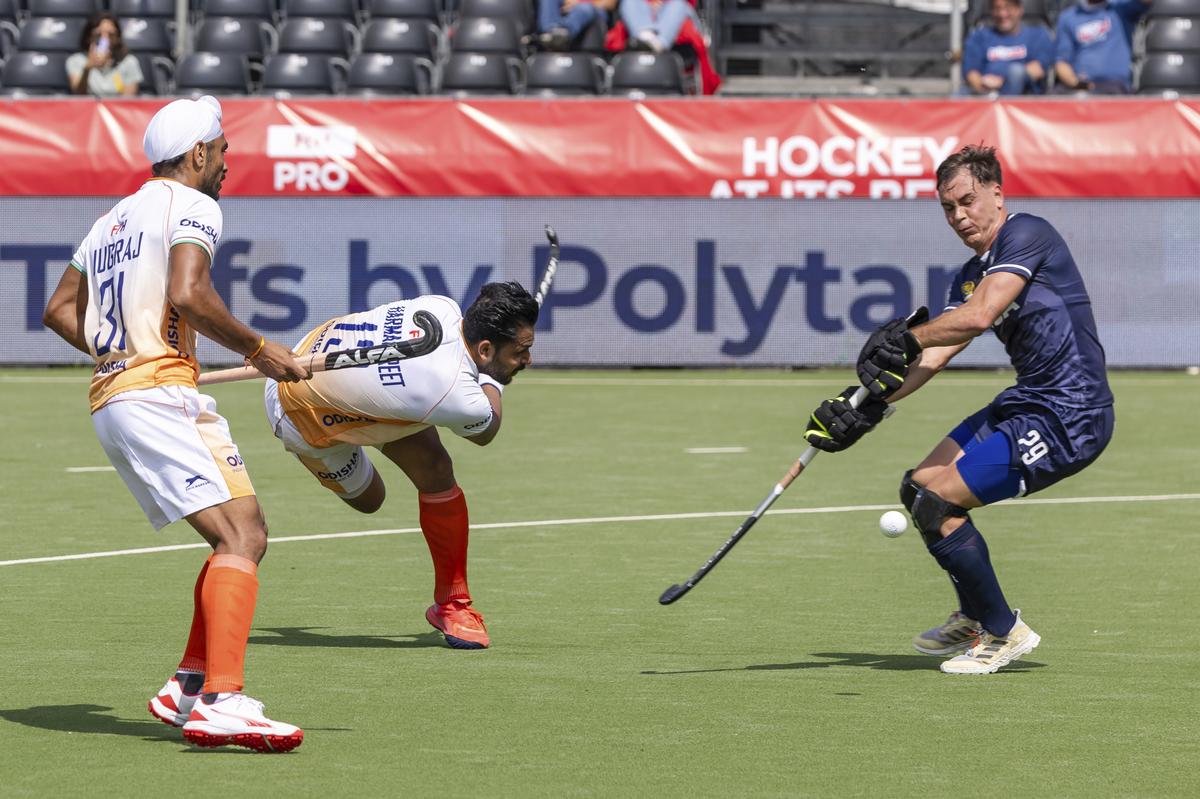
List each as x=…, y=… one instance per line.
x=1015, y=446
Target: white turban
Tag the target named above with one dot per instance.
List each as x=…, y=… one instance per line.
x=177, y=127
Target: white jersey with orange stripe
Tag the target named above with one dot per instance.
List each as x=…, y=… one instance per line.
x=383, y=402
x=137, y=338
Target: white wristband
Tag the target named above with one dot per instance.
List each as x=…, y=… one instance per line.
x=488, y=380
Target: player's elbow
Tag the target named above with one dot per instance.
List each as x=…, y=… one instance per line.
x=57, y=315
x=485, y=438
x=184, y=296
x=976, y=321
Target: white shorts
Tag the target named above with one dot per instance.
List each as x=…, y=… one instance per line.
x=173, y=450
x=344, y=469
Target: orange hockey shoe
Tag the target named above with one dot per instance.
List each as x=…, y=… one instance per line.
x=460, y=624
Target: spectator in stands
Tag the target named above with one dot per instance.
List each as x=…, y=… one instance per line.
x=1095, y=46
x=104, y=66
x=1007, y=57
x=655, y=24
x=561, y=22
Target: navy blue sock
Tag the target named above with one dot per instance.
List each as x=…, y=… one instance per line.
x=964, y=554
x=965, y=605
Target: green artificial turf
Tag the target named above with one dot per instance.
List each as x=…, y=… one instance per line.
x=788, y=672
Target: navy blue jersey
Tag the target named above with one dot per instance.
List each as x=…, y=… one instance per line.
x=1049, y=331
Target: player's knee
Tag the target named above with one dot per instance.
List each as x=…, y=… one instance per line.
x=437, y=472
x=928, y=510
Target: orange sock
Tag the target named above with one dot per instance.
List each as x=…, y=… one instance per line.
x=444, y=523
x=193, y=653
x=228, y=598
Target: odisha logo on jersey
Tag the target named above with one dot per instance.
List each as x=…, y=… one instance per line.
x=968, y=288
x=1016, y=52
x=331, y=419
x=208, y=229
x=1094, y=31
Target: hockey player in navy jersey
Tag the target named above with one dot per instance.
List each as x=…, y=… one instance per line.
x=1023, y=285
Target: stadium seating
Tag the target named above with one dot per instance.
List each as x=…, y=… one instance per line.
x=147, y=35
x=63, y=8
x=519, y=10
x=481, y=73
x=52, y=34
x=564, y=73
x=408, y=9
x=486, y=35
x=648, y=73
x=322, y=9
x=157, y=9
x=1178, y=72
x=35, y=73
x=324, y=36
x=158, y=73
x=242, y=9
x=9, y=32
x=1172, y=35
x=1174, y=8
x=301, y=73
x=412, y=36
x=213, y=73
x=374, y=74
x=592, y=40
x=251, y=37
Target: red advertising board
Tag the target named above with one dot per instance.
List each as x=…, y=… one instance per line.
x=692, y=147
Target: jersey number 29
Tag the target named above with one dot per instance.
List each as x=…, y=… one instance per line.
x=1034, y=447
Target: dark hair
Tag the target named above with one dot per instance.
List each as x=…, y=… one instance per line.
x=498, y=311
x=977, y=159
x=170, y=166
x=118, y=48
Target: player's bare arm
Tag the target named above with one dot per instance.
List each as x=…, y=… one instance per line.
x=487, y=436
x=929, y=363
x=994, y=295
x=190, y=290
x=66, y=308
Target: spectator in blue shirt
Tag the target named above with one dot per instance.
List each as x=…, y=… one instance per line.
x=1095, y=45
x=562, y=22
x=1006, y=57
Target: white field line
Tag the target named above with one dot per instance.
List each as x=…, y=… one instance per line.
x=83, y=469
x=734, y=382
x=715, y=450
x=662, y=517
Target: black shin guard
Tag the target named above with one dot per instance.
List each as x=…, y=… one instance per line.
x=927, y=509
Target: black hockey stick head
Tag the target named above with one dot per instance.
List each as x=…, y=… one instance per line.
x=391, y=350
x=432, y=338
x=673, y=593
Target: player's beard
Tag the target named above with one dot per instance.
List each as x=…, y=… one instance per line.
x=212, y=186
x=503, y=378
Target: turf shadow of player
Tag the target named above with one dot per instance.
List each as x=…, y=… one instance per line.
x=303, y=636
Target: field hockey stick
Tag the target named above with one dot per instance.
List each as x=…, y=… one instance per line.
x=676, y=591
x=351, y=358
x=551, y=267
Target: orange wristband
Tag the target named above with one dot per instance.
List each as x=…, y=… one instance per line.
x=262, y=342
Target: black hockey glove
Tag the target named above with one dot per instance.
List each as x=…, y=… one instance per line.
x=835, y=426
x=885, y=358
